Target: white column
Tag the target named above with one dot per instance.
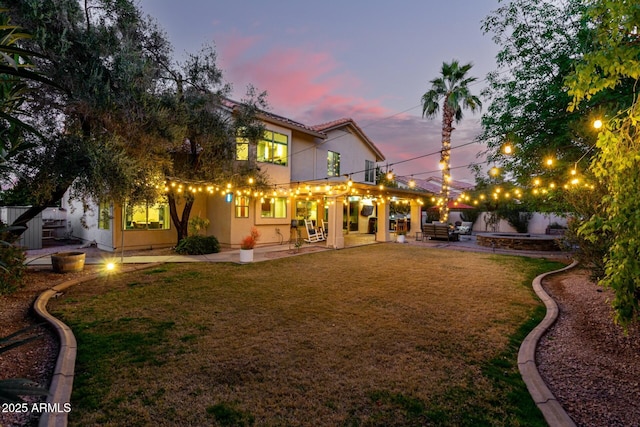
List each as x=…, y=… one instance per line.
x=416, y=218
x=383, y=235
x=335, y=238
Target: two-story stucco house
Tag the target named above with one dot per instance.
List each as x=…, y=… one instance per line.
x=324, y=173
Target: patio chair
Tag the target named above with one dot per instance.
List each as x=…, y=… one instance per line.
x=313, y=234
x=324, y=228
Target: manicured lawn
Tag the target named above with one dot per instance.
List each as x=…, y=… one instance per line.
x=382, y=335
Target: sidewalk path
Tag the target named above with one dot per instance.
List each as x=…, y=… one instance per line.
x=96, y=256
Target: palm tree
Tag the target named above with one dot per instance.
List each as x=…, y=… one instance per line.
x=452, y=87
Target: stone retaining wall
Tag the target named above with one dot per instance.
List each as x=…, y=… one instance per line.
x=519, y=242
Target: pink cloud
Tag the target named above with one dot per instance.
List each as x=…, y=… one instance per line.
x=303, y=84
x=311, y=87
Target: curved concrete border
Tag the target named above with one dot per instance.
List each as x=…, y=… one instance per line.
x=552, y=411
x=64, y=371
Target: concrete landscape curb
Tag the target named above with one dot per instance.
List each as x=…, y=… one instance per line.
x=64, y=371
x=551, y=409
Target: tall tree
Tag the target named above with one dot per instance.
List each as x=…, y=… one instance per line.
x=452, y=89
x=611, y=64
x=94, y=132
x=128, y=115
x=16, y=71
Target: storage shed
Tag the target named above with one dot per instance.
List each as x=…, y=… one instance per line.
x=32, y=237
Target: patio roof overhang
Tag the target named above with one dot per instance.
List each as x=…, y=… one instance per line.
x=353, y=189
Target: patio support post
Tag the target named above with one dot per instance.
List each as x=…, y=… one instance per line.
x=416, y=217
x=335, y=238
x=383, y=235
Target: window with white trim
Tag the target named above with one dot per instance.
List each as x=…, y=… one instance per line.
x=369, y=171
x=333, y=163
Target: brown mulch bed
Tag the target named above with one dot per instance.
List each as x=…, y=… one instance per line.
x=37, y=359
x=589, y=363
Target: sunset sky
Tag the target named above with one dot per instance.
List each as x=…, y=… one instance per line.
x=324, y=60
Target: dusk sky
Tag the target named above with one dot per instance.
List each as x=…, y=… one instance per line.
x=325, y=60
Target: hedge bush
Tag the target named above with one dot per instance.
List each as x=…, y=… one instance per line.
x=198, y=245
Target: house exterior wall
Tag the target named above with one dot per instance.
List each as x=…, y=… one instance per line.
x=84, y=226
x=305, y=157
x=230, y=230
x=353, y=153
x=307, y=164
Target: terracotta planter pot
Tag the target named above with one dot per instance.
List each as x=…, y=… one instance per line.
x=246, y=255
x=67, y=262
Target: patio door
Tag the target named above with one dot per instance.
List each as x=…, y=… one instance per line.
x=350, y=215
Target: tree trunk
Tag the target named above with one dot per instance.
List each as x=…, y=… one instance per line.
x=21, y=222
x=181, y=222
x=445, y=159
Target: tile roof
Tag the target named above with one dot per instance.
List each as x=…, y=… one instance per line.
x=319, y=131
x=335, y=124
x=275, y=118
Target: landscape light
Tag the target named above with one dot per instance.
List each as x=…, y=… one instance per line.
x=597, y=123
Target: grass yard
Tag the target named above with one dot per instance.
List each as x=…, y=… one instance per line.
x=381, y=335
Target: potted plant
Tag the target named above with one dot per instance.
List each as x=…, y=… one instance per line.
x=68, y=262
x=401, y=236
x=247, y=245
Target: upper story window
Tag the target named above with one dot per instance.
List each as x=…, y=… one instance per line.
x=333, y=163
x=273, y=148
x=369, y=171
x=242, y=148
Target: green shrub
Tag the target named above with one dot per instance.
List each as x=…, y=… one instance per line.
x=12, y=266
x=198, y=245
x=516, y=215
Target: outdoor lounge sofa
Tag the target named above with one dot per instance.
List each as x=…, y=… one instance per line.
x=437, y=232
